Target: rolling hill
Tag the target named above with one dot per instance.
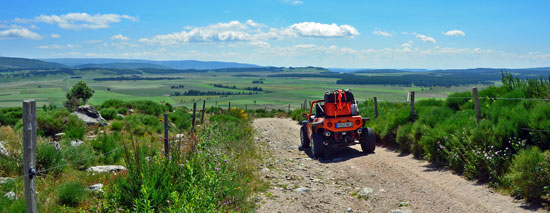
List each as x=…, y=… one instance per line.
x=24, y=63
x=182, y=64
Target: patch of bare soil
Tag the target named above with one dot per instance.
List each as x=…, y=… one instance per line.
x=349, y=180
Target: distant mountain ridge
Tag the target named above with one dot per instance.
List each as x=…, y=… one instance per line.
x=183, y=64
x=25, y=63
x=122, y=66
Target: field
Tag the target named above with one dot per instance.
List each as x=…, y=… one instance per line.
x=278, y=92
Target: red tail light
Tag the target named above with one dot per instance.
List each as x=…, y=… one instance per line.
x=329, y=124
x=358, y=122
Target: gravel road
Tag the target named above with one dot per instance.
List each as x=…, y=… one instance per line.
x=351, y=181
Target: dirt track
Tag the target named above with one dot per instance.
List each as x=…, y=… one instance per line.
x=349, y=180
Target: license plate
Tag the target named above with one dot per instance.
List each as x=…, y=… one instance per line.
x=342, y=125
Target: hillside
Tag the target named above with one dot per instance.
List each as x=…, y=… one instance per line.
x=180, y=64
x=24, y=63
x=122, y=66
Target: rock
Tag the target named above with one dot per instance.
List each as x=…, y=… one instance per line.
x=180, y=136
x=349, y=209
x=403, y=204
x=89, y=111
x=337, y=160
x=10, y=195
x=56, y=145
x=365, y=192
x=89, y=115
x=292, y=147
x=120, y=115
x=58, y=136
x=5, y=180
x=3, y=150
x=400, y=210
x=96, y=188
x=106, y=168
x=302, y=190
x=77, y=142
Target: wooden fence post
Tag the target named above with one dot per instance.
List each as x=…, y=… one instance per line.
x=412, y=105
x=229, y=107
x=288, y=108
x=265, y=108
x=166, y=127
x=29, y=153
x=202, y=116
x=211, y=110
x=245, y=107
x=194, y=111
x=476, y=102
x=375, y=108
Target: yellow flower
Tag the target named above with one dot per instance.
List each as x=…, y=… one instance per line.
x=247, y=167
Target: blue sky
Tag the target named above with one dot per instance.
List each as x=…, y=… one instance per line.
x=345, y=34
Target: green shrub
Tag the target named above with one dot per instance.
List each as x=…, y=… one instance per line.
x=122, y=111
x=75, y=128
x=10, y=115
x=81, y=157
x=48, y=157
x=297, y=114
x=181, y=117
x=223, y=118
x=140, y=124
x=403, y=138
x=10, y=165
x=539, y=119
x=530, y=174
x=51, y=122
x=456, y=100
x=108, y=147
x=71, y=193
x=117, y=125
x=108, y=113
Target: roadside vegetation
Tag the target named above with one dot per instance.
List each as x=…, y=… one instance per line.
x=211, y=169
x=508, y=148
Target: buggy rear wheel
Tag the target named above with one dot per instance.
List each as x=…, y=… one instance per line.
x=317, y=147
x=303, y=137
x=367, y=140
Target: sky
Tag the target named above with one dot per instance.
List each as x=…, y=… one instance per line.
x=429, y=34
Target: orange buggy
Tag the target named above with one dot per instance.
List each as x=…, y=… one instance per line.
x=335, y=123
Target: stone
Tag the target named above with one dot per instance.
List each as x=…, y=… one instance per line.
x=10, y=195
x=403, y=204
x=3, y=150
x=58, y=136
x=106, y=168
x=349, y=209
x=400, y=210
x=365, y=192
x=89, y=115
x=96, y=188
x=302, y=190
x=56, y=145
x=77, y=142
x=5, y=179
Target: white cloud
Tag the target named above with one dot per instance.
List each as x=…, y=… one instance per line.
x=313, y=29
x=119, y=37
x=260, y=44
x=75, y=21
x=16, y=33
x=454, y=33
x=53, y=35
x=408, y=44
x=425, y=38
x=235, y=31
x=379, y=32
x=57, y=46
x=296, y=2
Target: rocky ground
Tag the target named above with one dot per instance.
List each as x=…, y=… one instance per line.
x=351, y=181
